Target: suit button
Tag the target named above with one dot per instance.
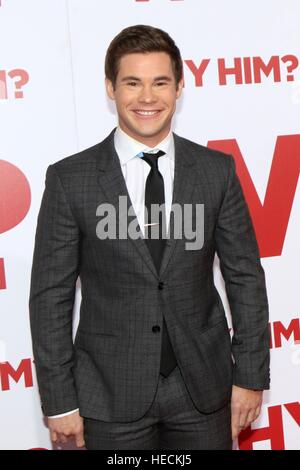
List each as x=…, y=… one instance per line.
x=155, y=328
x=160, y=285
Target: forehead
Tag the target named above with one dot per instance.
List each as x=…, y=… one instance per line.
x=145, y=65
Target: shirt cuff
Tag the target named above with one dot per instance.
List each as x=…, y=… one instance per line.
x=64, y=414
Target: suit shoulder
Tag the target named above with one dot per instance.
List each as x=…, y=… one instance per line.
x=200, y=153
x=84, y=159
x=79, y=159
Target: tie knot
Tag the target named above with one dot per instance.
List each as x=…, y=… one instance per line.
x=152, y=158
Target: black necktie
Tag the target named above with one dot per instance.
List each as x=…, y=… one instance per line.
x=155, y=194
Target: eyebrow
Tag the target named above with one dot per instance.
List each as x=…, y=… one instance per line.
x=157, y=79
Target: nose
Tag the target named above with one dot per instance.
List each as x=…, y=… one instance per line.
x=147, y=95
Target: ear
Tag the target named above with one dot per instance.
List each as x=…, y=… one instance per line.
x=109, y=89
x=179, y=88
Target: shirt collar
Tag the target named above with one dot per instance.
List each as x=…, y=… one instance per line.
x=128, y=148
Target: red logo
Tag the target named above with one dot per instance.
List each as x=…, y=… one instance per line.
x=19, y=77
x=271, y=218
x=15, y=200
x=274, y=432
x=8, y=372
x=247, y=70
x=280, y=331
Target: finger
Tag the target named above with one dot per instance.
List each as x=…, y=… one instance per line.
x=243, y=419
x=250, y=418
x=79, y=440
x=235, y=424
x=253, y=415
x=257, y=411
x=235, y=430
x=234, y=433
x=53, y=436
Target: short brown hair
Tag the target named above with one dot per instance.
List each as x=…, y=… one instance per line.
x=141, y=39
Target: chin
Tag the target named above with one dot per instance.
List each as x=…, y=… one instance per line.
x=150, y=132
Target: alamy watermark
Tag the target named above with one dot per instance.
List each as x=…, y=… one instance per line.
x=188, y=223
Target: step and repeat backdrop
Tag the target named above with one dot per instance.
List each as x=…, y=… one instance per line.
x=241, y=95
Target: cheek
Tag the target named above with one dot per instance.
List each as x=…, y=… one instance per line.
x=122, y=98
x=121, y=104
x=169, y=98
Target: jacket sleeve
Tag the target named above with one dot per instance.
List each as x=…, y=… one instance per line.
x=54, y=273
x=245, y=287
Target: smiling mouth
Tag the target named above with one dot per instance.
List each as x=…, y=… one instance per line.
x=145, y=113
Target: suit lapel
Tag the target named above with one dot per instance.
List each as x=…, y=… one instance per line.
x=185, y=178
x=113, y=185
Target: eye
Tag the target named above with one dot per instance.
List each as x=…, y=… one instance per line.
x=133, y=84
x=161, y=83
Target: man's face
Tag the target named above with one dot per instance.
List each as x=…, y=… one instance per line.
x=145, y=94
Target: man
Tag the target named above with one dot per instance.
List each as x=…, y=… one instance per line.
x=152, y=366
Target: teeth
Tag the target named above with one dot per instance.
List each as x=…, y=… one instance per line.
x=146, y=113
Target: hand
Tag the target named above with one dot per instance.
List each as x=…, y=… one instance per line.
x=66, y=426
x=245, y=408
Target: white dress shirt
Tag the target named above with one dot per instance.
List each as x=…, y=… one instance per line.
x=135, y=172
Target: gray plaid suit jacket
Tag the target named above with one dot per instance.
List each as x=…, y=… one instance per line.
x=111, y=371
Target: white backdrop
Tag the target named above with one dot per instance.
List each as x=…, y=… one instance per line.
x=52, y=54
